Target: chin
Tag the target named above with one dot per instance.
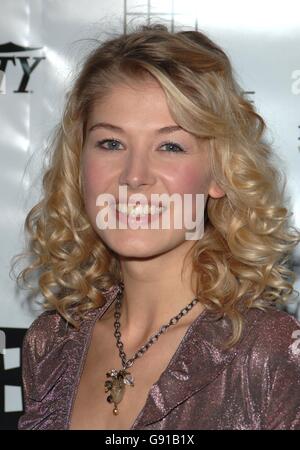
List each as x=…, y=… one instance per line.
x=139, y=244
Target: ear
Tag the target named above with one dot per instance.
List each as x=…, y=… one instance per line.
x=215, y=191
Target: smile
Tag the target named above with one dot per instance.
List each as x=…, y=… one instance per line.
x=140, y=210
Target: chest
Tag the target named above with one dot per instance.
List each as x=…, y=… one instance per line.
x=91, y=410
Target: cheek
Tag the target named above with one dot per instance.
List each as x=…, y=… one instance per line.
x=94, y=181
x=191, y=179
x=93, y=176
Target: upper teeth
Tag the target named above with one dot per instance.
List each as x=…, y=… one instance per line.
x=139, y=209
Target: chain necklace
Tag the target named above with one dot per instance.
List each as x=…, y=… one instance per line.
x=120, y=378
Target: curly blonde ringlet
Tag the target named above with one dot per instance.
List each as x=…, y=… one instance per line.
x=242, y=260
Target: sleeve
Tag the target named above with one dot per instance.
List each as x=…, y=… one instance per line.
x=282, y=411
x=35, y=345
x=27, y=379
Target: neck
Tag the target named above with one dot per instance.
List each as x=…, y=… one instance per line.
x=154, y=292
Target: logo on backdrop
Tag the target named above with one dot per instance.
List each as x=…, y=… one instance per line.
x=20, y=57
x=11, y=388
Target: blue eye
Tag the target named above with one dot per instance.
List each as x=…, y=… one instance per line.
x=175, y=148
x=100, y=144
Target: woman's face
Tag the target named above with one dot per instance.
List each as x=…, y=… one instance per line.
x=129, y=151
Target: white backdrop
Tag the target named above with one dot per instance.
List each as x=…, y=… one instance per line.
x=41, y=41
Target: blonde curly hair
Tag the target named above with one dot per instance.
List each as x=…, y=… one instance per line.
x=242, y=261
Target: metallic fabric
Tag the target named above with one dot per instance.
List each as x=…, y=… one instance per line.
x=254, y=385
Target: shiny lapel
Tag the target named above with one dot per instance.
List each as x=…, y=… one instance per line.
x=198, y=360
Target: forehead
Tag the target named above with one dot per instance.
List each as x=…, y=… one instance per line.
x=135, y=106
x=138, y=108
x=132, y=98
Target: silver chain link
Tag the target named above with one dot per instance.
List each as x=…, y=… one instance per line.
x=128, y=363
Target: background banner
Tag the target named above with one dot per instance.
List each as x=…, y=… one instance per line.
x=42, y=42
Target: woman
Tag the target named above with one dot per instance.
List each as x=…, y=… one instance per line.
x=147, y=328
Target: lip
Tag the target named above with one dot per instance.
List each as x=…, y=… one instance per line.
x=139, y=220
x=149, y=203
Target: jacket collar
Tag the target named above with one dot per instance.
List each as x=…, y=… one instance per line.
x=198, y=360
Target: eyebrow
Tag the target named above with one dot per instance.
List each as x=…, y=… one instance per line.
x=110, y=126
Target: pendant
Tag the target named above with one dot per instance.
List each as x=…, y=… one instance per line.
x=116, y=386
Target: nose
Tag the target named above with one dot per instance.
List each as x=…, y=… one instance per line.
x=137, y=171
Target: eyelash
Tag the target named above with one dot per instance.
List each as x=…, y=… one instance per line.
x=100, y=143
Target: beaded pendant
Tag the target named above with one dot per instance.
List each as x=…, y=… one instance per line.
x=116, y=386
